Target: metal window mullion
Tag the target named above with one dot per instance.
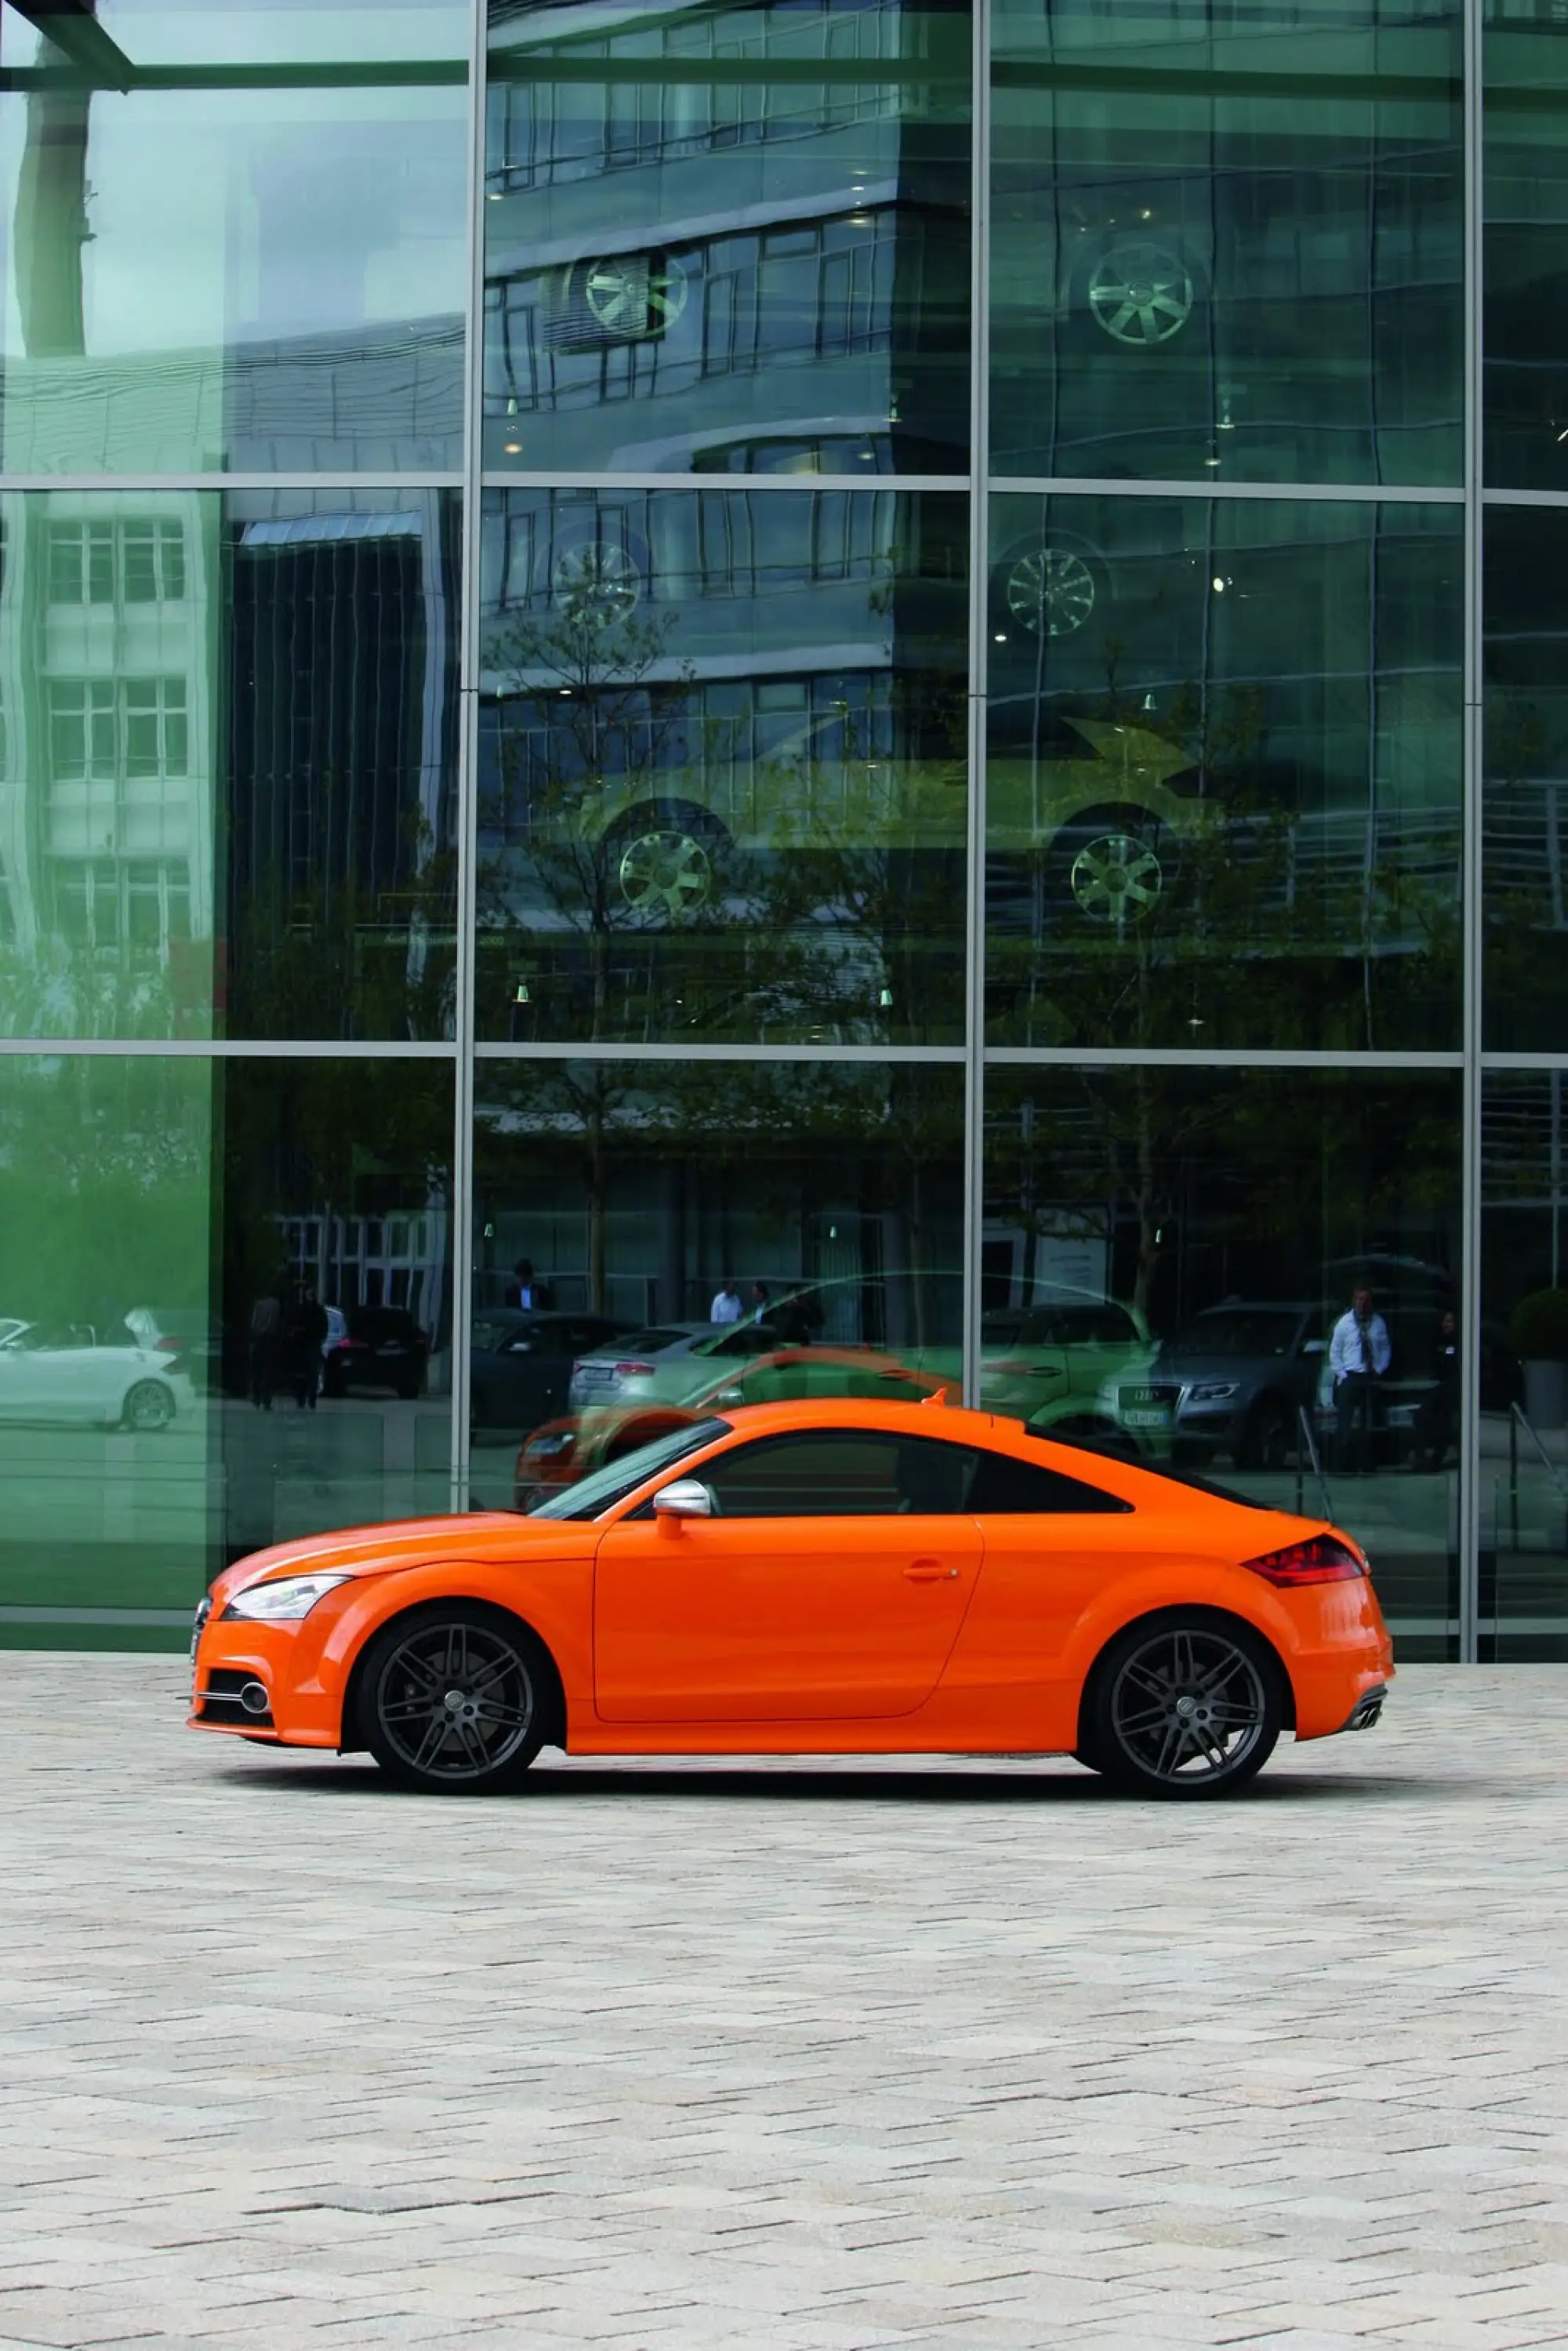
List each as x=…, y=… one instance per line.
x=462, y=1221
x=1472, y=931
x=975, y=867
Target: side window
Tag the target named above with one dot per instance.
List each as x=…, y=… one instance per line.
x=1004, y=1488
x=841, y=1474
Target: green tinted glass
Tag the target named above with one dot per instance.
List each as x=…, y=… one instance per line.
x=224, y=1321
x=730, y=239
x=1252, y=1272
x=722, y=768
x=1227, y=249
x=1526, y=275
x=706, y=1235
x=1524, y=792
x=1223, y=794
x=237, y=238
x=229, y=758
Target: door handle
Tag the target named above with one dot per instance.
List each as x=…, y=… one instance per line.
x=929, y=1571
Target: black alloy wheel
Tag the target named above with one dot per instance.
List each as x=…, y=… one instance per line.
x=449, y=1700
x=1184, y=1706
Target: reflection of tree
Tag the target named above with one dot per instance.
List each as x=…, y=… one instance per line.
x=703, y=1144
x=105, y=1177
x=591, y=738
x=1259, y=932
x=680, y=878
x=1295, y=1168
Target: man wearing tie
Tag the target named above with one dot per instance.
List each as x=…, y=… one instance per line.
x=1359, y=1354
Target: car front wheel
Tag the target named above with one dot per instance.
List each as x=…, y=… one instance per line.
x=1184, y=1706
x=450, y=1700
x=148, y=1408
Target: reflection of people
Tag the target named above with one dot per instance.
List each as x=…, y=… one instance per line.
x=761, y=1299
x=524, y=1289
x=303, y=1334
x=1359, y=1354
x=1434, y=1421
x=266, y=1346
x=726, y=1306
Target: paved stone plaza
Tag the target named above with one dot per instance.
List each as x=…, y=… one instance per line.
x=793, y=2056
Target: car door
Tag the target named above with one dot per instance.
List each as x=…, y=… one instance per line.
x=830, y=1582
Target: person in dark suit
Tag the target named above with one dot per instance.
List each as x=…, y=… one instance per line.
x=525, y=1289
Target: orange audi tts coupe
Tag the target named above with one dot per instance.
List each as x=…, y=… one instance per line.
x=823, y=1576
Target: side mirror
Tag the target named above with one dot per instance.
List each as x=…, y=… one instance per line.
x=688, y=1498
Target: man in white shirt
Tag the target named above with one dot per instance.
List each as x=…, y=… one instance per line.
x=726, y=1306
x=1359, y=1354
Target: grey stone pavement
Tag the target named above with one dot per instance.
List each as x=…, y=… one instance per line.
x=658, y=2057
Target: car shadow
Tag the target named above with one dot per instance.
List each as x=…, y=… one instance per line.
x=803, y=1784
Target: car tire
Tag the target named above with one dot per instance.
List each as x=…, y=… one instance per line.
x=427, y=1707
x=1184, y=1706
x=408, y=1389
x=1265, y=1442
x=149, y=1407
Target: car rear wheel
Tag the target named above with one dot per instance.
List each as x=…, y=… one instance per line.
x=148, y=1408
x=450, y=1700
x=1183, y=1706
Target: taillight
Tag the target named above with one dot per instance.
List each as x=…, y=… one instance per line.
x=633, y=1370
x=166, y=1346
x=1319, y=1558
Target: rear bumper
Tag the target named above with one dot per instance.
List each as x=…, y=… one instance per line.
x=1368, y=1708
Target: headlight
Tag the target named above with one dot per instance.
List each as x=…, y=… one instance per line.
x=284, y=1601
x=1214, y=1391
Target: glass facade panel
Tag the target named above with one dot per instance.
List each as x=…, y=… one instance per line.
x=332, y=1291
x=1525, y=325
x=1258, y=1270
x=722, y=765
x=1524, y=1367
x=1227, y=244
x=228, y=765
x=503, y=591
x=1224, y=792
x=227, y=1320
x=654, y=1240
x=728, y=239
x=1524, y=789
x=236, y=237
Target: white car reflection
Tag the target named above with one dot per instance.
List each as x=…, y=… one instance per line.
x=61, y=1372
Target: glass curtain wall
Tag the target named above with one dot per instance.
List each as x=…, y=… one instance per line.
x=790, y=697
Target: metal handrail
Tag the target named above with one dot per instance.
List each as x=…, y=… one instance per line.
x=1310, y=1444
x=1517, y=1414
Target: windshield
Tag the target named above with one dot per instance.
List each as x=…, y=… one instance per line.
x=1239, y=1330
x=591, y=1496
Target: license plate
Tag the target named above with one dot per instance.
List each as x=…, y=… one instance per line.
x=1147, y=1416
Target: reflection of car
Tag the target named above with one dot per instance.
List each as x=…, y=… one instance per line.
x=1048, y=1363
x=563, y=1450
x=797, y=1577
x=522, y=1363
x=655, y=1362
x=192, y=1342
x=1232, y=1380
x=50, y=1374
x=380, y=1347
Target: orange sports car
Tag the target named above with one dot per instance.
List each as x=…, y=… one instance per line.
x=808, y=1577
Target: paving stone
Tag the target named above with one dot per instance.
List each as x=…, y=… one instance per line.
x=808, y=2056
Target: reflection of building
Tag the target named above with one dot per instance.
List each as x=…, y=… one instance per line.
x=109, y=746
x=803, y=307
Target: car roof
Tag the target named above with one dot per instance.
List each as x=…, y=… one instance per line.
x=1151, y=1488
